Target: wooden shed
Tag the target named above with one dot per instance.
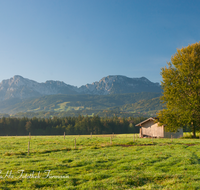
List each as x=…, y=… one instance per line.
x=149, y=128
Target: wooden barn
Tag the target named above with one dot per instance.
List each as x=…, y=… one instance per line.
x=149, y=128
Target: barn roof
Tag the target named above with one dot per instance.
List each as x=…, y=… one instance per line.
x=149, y=119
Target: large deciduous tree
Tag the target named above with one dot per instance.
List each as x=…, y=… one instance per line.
x=181, y=90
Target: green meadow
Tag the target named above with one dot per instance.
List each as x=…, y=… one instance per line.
x=99, y=162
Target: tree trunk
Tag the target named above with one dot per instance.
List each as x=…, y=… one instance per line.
x=193, y=131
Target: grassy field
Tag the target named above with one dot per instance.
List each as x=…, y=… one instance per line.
x=98, y=163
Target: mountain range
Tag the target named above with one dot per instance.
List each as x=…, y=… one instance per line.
x=111, y=94
x=22, y=88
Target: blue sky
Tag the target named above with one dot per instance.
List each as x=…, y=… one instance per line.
x=82, y=41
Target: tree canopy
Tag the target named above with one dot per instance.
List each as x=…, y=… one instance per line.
x=181, y=90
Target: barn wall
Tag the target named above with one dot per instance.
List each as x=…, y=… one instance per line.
x=152, y=129
x=146, y=128
x=157, y=131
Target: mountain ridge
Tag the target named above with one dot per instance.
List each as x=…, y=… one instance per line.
x=110, y=95
x=23, y=88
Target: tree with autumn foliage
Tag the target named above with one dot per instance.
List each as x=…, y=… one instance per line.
x=181, y=90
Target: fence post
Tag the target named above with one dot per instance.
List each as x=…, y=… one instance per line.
x=75, y=142
x=91, y=134
x=29, y=135
x=28, y=147
x=64, y=135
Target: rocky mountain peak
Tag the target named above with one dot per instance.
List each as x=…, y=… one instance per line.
x=19, y=87
x=117, y=84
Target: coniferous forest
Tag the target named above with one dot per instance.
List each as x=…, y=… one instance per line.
x=81, y=125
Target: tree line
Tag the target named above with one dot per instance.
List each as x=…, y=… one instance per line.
x=81, y=125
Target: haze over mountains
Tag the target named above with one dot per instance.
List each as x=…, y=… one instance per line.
x=112, y=94
x=22, y=88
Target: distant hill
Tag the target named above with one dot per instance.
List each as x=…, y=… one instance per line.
x=60, y=103
x=144, y=108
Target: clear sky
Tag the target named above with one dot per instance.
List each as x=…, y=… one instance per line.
x=82, y=41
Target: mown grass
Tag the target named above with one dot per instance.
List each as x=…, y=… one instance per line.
x=96, y=163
